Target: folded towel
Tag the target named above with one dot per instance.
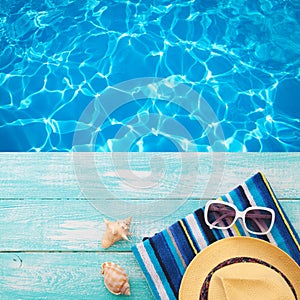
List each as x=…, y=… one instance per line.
x=164, y=257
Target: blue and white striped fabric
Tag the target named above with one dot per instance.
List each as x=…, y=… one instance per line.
x=165, y=256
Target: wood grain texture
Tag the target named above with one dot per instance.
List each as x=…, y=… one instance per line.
x=77, y=225
x=65, y=276
x=142, y=175
x=52, y=204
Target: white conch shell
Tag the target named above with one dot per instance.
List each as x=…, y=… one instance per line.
x=116, y=231
x=115, y=278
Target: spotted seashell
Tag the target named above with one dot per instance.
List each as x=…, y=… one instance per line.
x=115, y=278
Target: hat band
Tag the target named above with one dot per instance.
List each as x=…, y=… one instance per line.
x=206, y=283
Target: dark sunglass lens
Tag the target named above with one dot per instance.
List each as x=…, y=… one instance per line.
x=258, y=220
x=220, y=215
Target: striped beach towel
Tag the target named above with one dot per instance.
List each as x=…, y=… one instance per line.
x=164, y=257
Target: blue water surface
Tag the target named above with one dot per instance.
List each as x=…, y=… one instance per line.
x=60, y=58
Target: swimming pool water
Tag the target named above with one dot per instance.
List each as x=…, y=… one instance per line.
x=150, y=75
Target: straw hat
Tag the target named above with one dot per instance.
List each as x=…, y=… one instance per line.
x=241, y=268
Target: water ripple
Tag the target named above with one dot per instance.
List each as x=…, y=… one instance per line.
x=242, y=57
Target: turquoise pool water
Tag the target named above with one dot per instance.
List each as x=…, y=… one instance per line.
x=149, y=75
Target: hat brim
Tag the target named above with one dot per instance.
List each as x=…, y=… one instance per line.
x=227, y=248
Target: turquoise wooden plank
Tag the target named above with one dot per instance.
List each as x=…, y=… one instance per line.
x=43, y=208
x=69, y=224
x=141, y=175
x=59, y=224
x=65, y=276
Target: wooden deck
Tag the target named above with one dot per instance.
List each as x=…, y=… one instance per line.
x=52, y=207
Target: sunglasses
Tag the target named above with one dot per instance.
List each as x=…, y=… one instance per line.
x=222, y=215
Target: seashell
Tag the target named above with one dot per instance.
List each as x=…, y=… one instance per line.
x=115, y=278
x=116, y=231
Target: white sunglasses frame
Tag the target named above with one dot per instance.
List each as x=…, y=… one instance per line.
x=239, y=215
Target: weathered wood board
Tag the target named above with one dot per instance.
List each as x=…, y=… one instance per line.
x=52, y=207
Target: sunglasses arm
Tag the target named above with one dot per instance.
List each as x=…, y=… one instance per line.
x=228, y=213
x=259, y=225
